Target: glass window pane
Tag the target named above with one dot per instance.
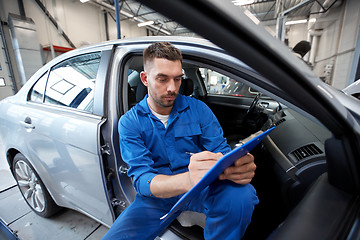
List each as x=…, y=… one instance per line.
x=37, y=91
x=72, y=82
x=217, y=83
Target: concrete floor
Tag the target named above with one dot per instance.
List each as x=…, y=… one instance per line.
x=67, y=224
x=17, y=215
x=26, y=225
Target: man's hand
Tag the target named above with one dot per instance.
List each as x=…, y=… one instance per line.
x=242, y=171
x=200, y=164
x=166, y=186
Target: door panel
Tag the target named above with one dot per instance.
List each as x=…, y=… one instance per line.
x=64, y=147
x=63, y=133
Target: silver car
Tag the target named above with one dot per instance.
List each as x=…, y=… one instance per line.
x=62, y=145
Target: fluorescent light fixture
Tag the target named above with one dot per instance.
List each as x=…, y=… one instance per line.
x=166, y=32
x=145, y=23
x=84, y=1
x=296, y=22
x=312, y=20
x=251, y=16
x=242, y=2
x=129, y=15
x=149, y=23
x=2, y=82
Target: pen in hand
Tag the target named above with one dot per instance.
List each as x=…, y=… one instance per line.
x=190, y=153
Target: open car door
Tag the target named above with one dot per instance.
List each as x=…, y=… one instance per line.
x=330, y=208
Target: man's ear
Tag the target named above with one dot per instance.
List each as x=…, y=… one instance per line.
x=143, y=77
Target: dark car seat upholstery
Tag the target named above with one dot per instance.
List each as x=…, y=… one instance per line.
x=131, y=97
x=141, y=91
x=187, y=87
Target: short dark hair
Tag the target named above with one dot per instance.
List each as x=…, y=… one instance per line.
x=161, y=50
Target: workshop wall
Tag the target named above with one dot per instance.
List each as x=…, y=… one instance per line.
x=297, y=33
x=82, y=22
x=335, y=56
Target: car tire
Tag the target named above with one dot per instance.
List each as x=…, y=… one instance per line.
x=32, y=188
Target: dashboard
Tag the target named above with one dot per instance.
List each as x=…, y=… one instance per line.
x=297, y=146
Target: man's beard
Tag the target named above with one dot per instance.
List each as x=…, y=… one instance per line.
x=163, y=102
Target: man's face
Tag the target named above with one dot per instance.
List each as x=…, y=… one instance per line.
x=163, y=79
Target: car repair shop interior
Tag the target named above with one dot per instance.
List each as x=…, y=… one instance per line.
x=325, y=34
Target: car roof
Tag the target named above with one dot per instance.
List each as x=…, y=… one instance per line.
x=196, y=41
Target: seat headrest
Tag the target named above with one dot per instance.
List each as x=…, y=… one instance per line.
x=141, y=91
x=187, y=87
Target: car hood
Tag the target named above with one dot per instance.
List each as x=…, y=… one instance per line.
x=349, y=102
x=352, y=88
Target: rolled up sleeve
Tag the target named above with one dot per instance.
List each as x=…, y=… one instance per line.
x=143, y=184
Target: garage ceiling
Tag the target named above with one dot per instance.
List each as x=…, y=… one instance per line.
x=263, y=10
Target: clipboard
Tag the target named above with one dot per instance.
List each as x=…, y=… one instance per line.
x=244, y=147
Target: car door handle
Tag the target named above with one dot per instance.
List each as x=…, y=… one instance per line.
x=27, y=123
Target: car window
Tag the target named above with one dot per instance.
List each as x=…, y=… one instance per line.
x=37, y=91
x=72, y=82
x=217, y=83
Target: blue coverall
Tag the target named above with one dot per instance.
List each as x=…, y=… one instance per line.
x=150, y=149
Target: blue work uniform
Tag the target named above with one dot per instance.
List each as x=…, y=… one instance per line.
x=150, y=148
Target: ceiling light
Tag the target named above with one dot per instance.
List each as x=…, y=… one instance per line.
x=251, y=16
x=296, y=22
x=129, y=15
x=2, y=82
x=166, y=32
x=145, y=23
x=312, y=20
x=242, y=2
x=84, y=1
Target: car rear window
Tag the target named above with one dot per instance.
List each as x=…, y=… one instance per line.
x=37, y=91
x=71, y=83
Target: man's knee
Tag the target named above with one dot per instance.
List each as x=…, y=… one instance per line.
x=233, y=200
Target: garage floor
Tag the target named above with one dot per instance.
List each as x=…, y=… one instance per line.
x=16, y=214
x=68, y=224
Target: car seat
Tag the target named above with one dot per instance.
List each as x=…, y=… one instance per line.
x=187, y=87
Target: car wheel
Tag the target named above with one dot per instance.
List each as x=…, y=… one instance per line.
x=32, y=188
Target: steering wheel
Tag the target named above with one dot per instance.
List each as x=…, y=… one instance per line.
x=253, y=105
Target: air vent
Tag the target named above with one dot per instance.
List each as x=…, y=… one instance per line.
x=306, y=151
x=280, y=122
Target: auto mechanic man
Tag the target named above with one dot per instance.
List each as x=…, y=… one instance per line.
x=155, y=136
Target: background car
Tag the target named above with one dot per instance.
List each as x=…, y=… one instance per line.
x=353, y=89
x=61, y=140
